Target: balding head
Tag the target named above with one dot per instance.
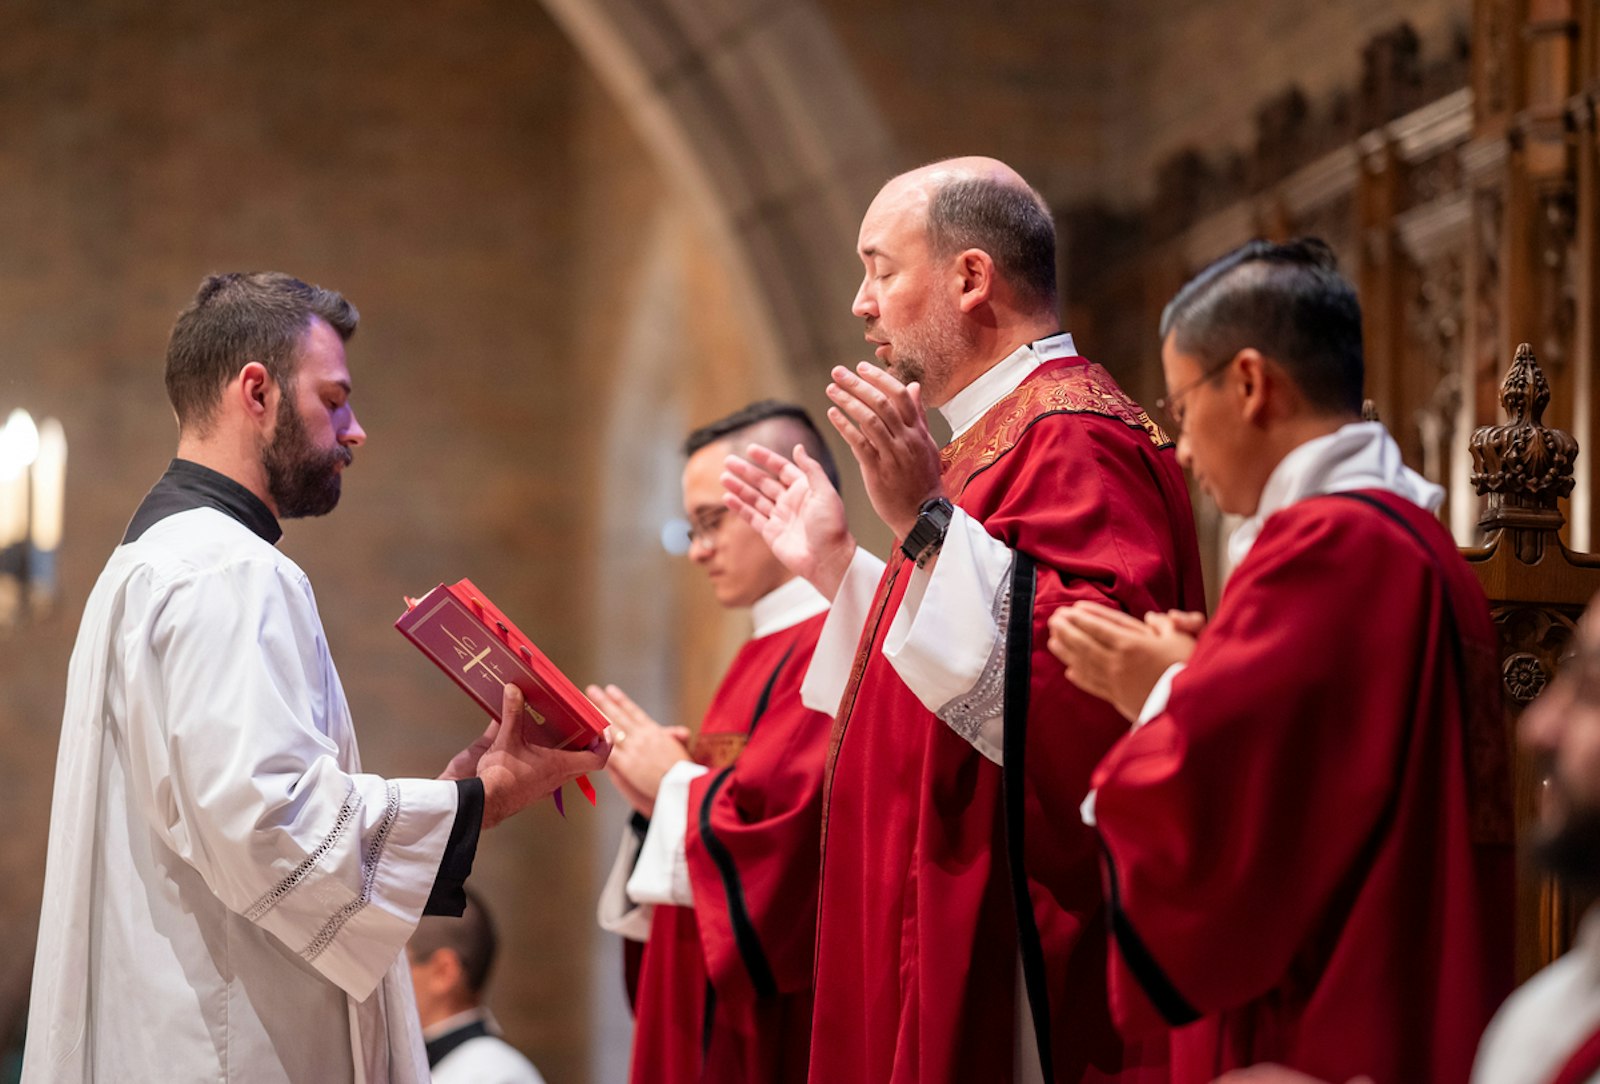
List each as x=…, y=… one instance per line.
x=984, y=204
x=960, y=260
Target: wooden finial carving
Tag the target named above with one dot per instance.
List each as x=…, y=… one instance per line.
x=1523, y=467
x=1369, y=411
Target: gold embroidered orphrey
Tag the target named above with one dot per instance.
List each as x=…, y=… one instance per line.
x=718, y=749
x=1084, y=388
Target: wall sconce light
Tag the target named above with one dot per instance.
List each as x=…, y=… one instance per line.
x=33, y=472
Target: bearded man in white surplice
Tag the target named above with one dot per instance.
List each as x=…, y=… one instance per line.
x=227, y=894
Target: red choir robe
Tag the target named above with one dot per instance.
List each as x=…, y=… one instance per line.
x=917, y=938
x=1307, y=852
x=725, y=986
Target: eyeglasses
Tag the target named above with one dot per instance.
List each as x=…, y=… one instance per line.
x=1166, y=404
x=704, y=526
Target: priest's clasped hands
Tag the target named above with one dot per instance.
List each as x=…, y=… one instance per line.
x=642, y=750
x=883, y=422
x=1118, y=657
x=1107, y=653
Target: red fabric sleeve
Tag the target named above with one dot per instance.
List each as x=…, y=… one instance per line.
x=1105, y=515
x=754, y=875
x=1231, y=820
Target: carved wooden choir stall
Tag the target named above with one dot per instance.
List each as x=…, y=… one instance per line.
x=1537, y=588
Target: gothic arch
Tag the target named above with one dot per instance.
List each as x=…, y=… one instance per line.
x=754, y=110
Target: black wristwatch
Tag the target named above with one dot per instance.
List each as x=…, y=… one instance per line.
x=927, y=534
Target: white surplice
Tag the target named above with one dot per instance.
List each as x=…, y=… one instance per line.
x=484, y=1059
x=1542, y=1025
x=227, y=897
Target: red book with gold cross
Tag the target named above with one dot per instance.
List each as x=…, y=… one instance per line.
x=468, y=638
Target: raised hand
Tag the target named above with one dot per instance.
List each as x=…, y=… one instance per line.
x=883, y=422
x=797, y=512
x=643, y=750
x=516, y=774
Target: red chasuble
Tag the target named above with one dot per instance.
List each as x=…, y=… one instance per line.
x=918, y=939
x=725, y=987
x=1308, y=851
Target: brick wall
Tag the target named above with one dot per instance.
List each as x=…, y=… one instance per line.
x=458, y=173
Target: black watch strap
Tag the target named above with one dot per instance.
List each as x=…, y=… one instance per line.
x=927, y=534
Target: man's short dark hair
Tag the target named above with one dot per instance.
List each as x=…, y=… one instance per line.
x=766, y=410
x=1008, y=221
x=471, y=937
x=1288, y=301
x=238, y=318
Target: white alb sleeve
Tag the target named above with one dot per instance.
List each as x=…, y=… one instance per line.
x=947, y=641
x=835, y=653
x=615, y=911
x=228, y=698
x=662, y=873
x=1160, y=693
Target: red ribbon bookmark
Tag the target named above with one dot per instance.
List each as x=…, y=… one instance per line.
x=584, y=785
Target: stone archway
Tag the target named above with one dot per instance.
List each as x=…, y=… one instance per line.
x=754, y=110
x=756, y=118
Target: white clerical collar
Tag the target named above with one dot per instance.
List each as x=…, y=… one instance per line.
x=1361, y=455
x=440, y=1028
x=786, y=606
x=974, y=401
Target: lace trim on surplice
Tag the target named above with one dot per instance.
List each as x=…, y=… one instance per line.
x=341, y=824
x=369, y=874
x=986, y=700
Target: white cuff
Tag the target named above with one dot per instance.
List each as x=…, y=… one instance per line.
x=835, y=653
x=947, y=641
x=1160, y=693
x=1086, y=809
x=615, y=912
x=662, y=872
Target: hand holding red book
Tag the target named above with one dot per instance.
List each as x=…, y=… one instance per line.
x=468, y=638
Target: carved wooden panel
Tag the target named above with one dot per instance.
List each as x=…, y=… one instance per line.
x=1537, y=589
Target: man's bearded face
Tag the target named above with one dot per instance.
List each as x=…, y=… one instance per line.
x=1567, y=845
x=302, y=478
x=926, y=349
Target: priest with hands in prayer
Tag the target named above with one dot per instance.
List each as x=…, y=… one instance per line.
x=718, y=876
x=960, y=932
x=1306, y=834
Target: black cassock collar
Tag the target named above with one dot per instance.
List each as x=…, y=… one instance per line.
x=188, y=485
